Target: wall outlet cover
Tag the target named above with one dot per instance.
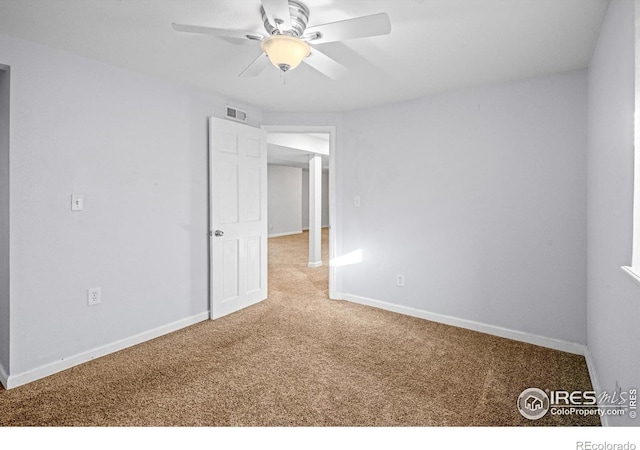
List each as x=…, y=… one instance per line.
x=94, y=296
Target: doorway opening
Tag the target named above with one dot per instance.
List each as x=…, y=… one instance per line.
x=302, y=160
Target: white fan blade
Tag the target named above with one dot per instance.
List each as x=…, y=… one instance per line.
x=366, y=26
x=277, y=12
x=256, y=67
x=325, y=65
x=219, y=32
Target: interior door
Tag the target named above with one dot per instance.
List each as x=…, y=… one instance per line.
x=238, y=216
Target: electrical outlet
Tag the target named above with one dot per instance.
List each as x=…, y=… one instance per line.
x=400, y=280
x=270, y=226
x=94, y=296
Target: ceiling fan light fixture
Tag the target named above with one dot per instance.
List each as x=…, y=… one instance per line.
x=284, y=51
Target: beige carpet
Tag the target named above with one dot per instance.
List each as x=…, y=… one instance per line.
x=301, y=359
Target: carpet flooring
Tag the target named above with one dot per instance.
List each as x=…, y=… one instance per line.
x=300, y=359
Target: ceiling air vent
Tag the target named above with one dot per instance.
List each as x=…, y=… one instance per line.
x=235, y=114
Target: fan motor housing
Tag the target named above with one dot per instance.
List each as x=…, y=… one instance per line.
x=299, y=18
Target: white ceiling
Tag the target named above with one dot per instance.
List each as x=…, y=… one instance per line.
x=434, y=45
x=297, y=149
x=288, y=156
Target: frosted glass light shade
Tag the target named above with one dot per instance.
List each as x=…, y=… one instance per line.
x=285, y=52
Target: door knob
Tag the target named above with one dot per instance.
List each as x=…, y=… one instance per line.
x=219, y=233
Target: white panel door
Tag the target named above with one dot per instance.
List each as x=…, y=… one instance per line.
x=238, y=216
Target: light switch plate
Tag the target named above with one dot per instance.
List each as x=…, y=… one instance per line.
x=356, y=201
x=77, y=202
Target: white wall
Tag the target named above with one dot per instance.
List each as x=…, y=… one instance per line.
x=613, y=298
x=136, y=148
x=478, y=197
x=305, y=199
x=4, y=222
x=285, y=200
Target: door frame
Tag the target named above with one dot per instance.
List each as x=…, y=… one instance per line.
x=331, y=130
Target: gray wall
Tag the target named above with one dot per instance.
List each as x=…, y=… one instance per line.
x=479, y=198
x=285, y=200
x=4, y=221
x=136, y=148
x=613, y=298
x=305, y=199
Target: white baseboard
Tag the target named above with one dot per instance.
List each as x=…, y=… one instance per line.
x=555, y=344
x=290, y=233
x=3, y=377
x=595, y=381
x=315, y=264
x=66, y=363
x=323, y=226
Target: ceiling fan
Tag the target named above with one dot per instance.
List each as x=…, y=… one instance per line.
x=287, y=39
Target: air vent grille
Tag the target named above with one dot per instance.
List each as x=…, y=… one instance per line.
x=235, y=114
